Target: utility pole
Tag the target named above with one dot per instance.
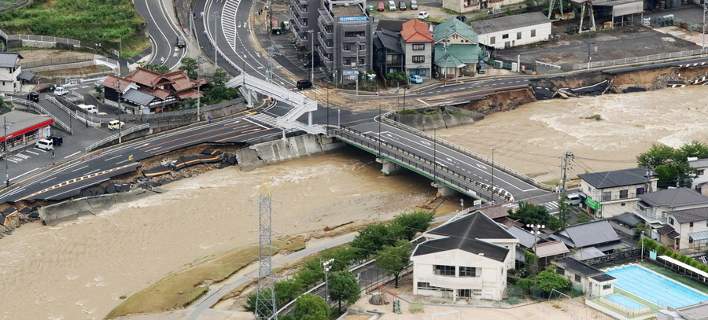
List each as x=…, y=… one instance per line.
x=435, y=161
x=492, y=186
x=703, y=33
x=566, y=163
x=7, y=152
x=380, y=131
x=216, y=56
x=357, y=68
x=312, y=55
x=326, y=267
x=265, y=293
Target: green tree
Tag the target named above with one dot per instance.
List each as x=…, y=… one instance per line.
x=4, y=106
x=190, y=66
x=343, y=287
x=372, y=239
x=393, y=259
x=311, y=307
x=310, y=273
x=251, y=302
x=414, y=222
x=217, y=90
x=159, y=68
x=670, y=165
x=547, y=281
x=529, y=213
x=342, y=257
x=286, y=291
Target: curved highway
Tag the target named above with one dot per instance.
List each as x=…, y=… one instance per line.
x=163, y=33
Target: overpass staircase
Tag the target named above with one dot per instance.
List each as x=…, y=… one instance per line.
x=251, y=86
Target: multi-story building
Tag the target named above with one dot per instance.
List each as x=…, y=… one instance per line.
x=388, y=54
x=303, y=17
x=463, y=6
x=9, y=71
x=691, y=226
x=700, y=178
x=457, y=50
x=345, y=37
x=418, y=47
x=612, y=193
x=656, y=206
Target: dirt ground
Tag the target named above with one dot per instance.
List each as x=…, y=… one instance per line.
x=36, y=55
x=532, y=138
x=80, y=269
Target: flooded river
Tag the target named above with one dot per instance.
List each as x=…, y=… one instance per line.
x=532, y=138
x=80, y=269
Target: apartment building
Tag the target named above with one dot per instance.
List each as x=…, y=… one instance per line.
x=303, y=17
x=9, y=71
x=345, y=38
x=612, y=193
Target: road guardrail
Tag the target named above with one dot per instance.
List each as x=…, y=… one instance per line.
x=37, y=107
x=116, y=136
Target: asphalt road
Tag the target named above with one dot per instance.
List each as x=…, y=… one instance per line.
x=163, y=32
x=68, y=179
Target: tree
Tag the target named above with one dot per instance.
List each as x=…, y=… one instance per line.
x=219, y=78
x=159, y=68
x=342, y=257
x=343, y=287
x=253, y=297
x=414, y=222
x=217, y=90
x=372, y=239
x=393, y=259
x=311, y=273
x=4, y=106
x=311, y=307
x=190, y=66
x=548, y=281
x=670, y=165
x=286, y=291
x=529, y=213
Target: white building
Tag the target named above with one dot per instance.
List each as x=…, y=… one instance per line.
x=463, y=6
x=466, y=258
x=612, y=193
x=591, y=281
x=512, y=31
x=655, y=206
x=700, y=179
x=692, y=228
x=9, y=70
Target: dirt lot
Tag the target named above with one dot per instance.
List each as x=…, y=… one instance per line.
x=37, y=55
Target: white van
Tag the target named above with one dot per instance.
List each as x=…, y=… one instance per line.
x=60, y=91
x=44, y=144
x=115, y=124
x=574, y=199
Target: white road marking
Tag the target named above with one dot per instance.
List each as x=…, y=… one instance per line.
x=73, y=154
x=80, y=168
x=26, y=173
x=34, y=153
x=113, y=157
x=260, y=125
x=40, y=150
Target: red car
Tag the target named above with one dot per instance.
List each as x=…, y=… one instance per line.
x=381, y=6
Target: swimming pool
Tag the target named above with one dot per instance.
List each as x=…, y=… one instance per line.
x=655, y=288
x=625, y=302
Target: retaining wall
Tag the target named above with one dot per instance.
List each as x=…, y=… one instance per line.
x=72, y=209
x=279, y=150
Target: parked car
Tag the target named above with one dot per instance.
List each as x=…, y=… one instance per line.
x=304, y=84
x=44, y=144
x=414, y=5
x=381, y=6
x=180, y=42
x=422, y=14
x=56, y=141
x=88, y=108
x=370, y=7
x=115, y=124
x=391, y=5
x=574, y=199
x=33, y=96
x=402, y=5
x=60, y=91
x=415, y=78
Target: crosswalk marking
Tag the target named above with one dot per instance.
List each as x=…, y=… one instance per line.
x=32, y=152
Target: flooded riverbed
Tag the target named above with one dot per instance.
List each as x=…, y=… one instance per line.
x=80, y=269
x=604, y=133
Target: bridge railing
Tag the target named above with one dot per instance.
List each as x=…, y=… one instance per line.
x=38, y=108
x=386, y=118
x=456, y=180
x=116, y=136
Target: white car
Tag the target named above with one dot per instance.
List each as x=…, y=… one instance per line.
x=60, y=91
x=392, y=5
x=115, y=124
x=423, y=15
x=44, y=144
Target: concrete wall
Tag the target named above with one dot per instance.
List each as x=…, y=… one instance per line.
x=279, y=150
x=72, y=209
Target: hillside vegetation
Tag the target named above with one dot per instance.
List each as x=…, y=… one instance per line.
x=98, y=21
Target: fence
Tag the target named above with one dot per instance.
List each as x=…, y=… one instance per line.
x=635, y=60
x=57, y=61
x=117, y=136
x=46, y=39
x=38, y=108
x=614, y=258
x=82, y=117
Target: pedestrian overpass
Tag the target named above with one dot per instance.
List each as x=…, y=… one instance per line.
x=251, y=87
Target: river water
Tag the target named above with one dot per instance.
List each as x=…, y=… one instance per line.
x=79, y=269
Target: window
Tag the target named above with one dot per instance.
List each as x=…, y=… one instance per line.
x=418, y=59
x=560, y=270
x=577, y=278
x=624, y=194
x=533, y=33
x=671, y=221
x=424, y=285
x=518, y=35
x=606, y=196
x=700, y=172
x=418, y=46
x=640, y=190
x=606, y=287
x=347, y=46
x=505, y=36
x=468, y=272
x=464, y=293
x=690, y=224
x=444, y=270
x=492, y=40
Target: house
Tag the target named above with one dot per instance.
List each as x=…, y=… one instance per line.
x=457, y=50
x=10, y=69
x=544, y=249
x=512, y=31
x=611, y=193
x=388, y=53
x=700, y=178
x=467, y=257
x=655, y=206
x=591, y=281
x=691, y=226
x=418, y=46
x=24, y=129
x=463, y=6
x=145, y=91
x=598, y=234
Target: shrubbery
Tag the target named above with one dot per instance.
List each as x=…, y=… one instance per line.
x=650, y=244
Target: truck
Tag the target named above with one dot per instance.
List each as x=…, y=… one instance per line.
x=275, y=26
x=88, y=108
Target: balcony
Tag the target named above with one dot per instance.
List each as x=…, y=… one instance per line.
x=326, y=45
x=298, y=11
x=326, y=16
x=299, y=24
x=327, y=62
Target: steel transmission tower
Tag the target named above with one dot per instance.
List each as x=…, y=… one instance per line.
x=265, y=294
x=566, y=163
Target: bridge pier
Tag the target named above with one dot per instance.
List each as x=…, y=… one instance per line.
x=387, y=167
x=443, y=191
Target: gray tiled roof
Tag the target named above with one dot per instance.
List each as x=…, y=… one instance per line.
x=674, y=198
x=475, y=246
x=700, y=163
x=138, y=97
x=589, y=234
x=579, y=267
x=690, y=215
x=390, y=40
x=617, y=178
x=525, y=238
x=509, y=22
x=8, y=60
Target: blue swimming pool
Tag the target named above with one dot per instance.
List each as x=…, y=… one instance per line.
x=625, y=302
x=654, y=287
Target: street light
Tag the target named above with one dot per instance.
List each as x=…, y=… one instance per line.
x=326, y=266
x=535, y=231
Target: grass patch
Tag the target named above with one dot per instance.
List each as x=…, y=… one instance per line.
x=179, y=289
x=677, y=277
x=93, y=21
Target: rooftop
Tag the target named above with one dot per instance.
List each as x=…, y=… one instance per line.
x=20, y=122
x=699, y=163
x=588, y=234
x=453, y=26
x=690, y=215
x=456, y=55
x=525, y=238
x=579, y=267
x=616, y=178
x=416, y=31
x=628, y=218
x=509, y=22
x=550, y=249
x=353, y=10
x=9, y=60
x=474, y=246
x=695, y=312
x=674, y=198
x=390, y=40
x=475, y=225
